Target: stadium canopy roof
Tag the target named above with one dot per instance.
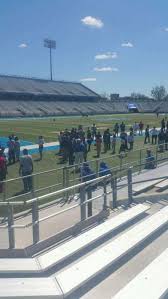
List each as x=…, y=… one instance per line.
x=22, y=85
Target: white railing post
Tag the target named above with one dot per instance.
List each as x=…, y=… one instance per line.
x=35, y=222
x=129, y=177
x=82, y=202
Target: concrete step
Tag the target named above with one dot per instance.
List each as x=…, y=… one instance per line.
x=64, y=251
x=34, y=288
x=77, y=275
x=151, y=283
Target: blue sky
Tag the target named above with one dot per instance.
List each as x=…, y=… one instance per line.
x=116, y=46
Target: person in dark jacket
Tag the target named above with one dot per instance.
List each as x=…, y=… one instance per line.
x=147, y=135
x=3, y=170
x=89, y=138
x=104, y=169
x=122, y=127
x=166, y=140
x=163, y=124
x=161, y=140
x=116, y=129
x=150, y=160
x=86, y=173
x=79, y=150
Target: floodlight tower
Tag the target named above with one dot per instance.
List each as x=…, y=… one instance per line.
x=50, y=44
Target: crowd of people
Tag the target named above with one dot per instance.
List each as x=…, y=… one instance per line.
x=75, y=144
x=13, y=155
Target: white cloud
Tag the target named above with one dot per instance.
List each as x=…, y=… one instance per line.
x=166, y=29
x=88, y=80
x=106, y=69
x=108, y=55
x=92, y=22
x=23, y=45
x=128, y=45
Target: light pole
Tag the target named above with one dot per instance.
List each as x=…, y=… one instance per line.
x=50, y=44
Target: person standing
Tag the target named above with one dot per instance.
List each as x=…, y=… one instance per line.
x=105, y=141
x=131, y=141
x=98, y=144
x=89, y=138
x=41, y=146
x=94, y=130
x=70, y=148
x=26, y=170
x=124, y=137
x=116, y=129
x=85, y=152
x=161, y=140
x=135, y=128
x=11, y=150
x=147, y=135
x=122, y=127
x=113, y=143
x=17, y=149
x=141, y=126
x=3, y=170
x=163, y=124
x=166, y=140
x=154, y=133
x=79, y=153
x=108, y=139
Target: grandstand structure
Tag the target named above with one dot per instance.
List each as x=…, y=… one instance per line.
x=117, y=252
x=30, y=97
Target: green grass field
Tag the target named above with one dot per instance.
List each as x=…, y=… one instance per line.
x=30, y=129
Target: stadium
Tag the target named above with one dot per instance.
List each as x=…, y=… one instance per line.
x=67, y=221
x=83, y=162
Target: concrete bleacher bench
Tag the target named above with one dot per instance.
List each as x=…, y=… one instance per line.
x=62, y=252
x=34, y=288
x=162, y=185
x=70, y=279
x=151, y=283
x=78, y=274
x=142, y=187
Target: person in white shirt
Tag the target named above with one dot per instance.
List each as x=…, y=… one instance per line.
x=154, y=133
x=26, y=170
x=113, y=140
x=135, y=128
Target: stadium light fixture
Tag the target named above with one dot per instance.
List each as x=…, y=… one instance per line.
x=50, y=44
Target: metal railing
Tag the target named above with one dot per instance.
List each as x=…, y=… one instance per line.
x=86, y=195
x=58, y=178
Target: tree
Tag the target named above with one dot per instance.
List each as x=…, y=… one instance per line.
x=158, y=93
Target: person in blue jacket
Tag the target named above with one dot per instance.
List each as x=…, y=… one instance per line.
x=86, y=173
x=104, y=169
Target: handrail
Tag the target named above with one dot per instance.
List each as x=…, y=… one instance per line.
x=114, y=170
x=39, y=198
x=73, y=166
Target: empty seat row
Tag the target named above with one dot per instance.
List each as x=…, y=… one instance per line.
x=151, y=283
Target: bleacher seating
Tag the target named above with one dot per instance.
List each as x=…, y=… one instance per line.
x=148, y=284
x=21, y=97
x=62, y=252
x=62, y=283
